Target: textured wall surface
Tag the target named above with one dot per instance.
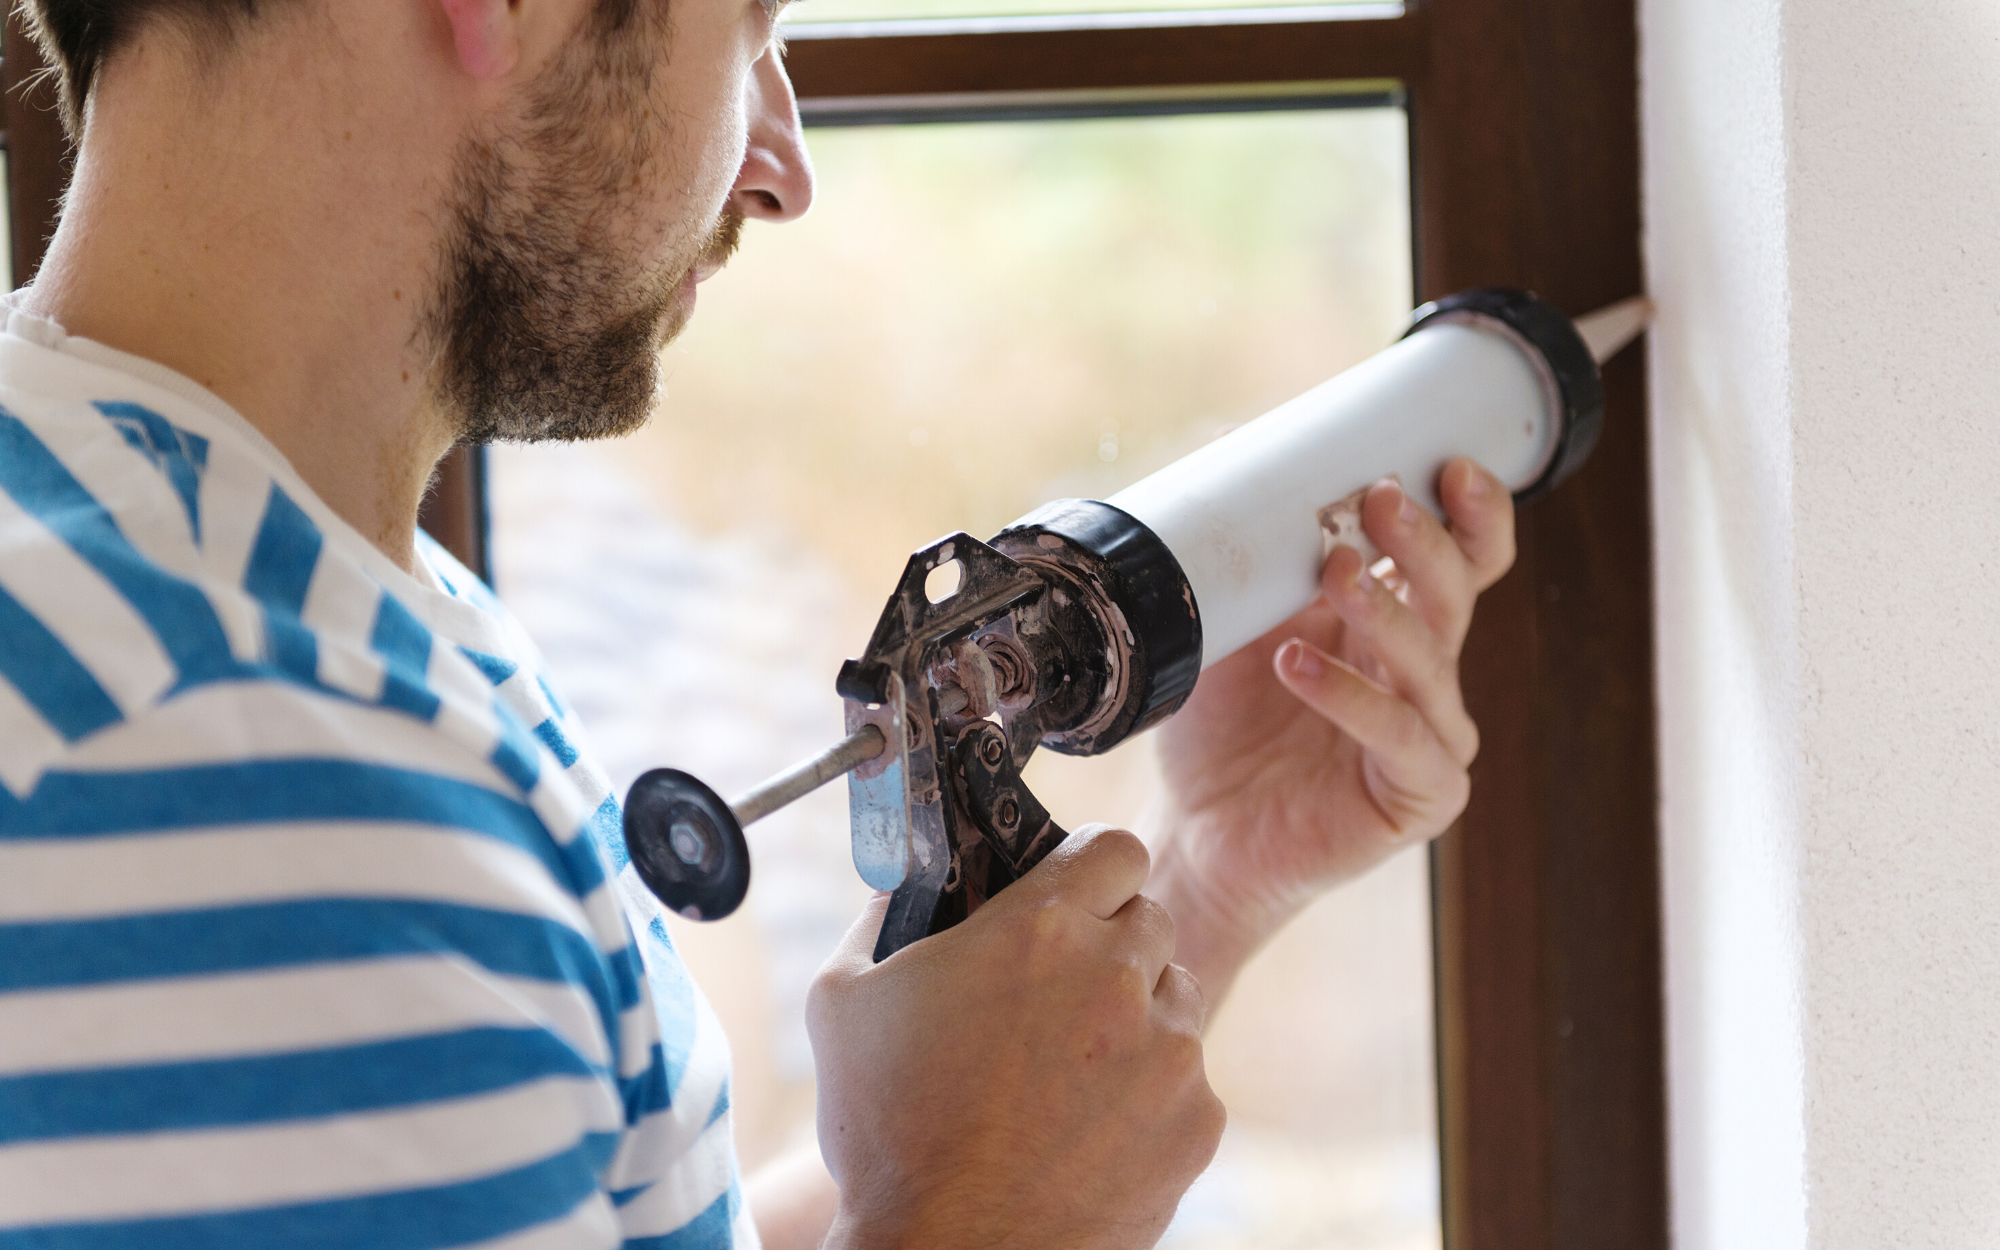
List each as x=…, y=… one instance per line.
x=1823, y=196
x=1727, y=637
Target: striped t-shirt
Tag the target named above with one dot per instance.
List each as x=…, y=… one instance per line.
x=313, y=917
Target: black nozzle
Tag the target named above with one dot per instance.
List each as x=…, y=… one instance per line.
x=686, y=844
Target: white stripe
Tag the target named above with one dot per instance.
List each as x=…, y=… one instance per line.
x=607, y=917
x=340, y=606
x=235, y=494
x=28, y=744
x=75, y=878
x=456, y=677
x=688, y=1184
x=211, y=1170
x=594, y=1224
x=242, y=619
x=82, y=609
x=743, y=1231
x=638, y=1031
x=556, y=800
x=230, y=722
x=123, y=480
x=523, y=696
x=275, y=1011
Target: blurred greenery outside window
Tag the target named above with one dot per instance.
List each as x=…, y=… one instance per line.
x=974, y=318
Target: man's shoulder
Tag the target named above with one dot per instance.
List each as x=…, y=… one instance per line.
x=142, y=560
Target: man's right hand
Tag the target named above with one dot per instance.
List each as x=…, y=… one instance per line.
x=1031, y=1077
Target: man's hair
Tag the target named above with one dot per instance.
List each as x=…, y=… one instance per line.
x=77, y=36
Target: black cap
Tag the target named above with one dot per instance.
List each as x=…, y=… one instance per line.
x=1113, y=552
x=1580, y=389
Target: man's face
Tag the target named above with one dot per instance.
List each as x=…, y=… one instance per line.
x=580, y=227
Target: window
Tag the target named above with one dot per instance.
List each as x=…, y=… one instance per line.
x=979, y=316
x=1523, y=170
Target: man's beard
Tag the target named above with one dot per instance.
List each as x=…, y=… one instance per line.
x=540, y=328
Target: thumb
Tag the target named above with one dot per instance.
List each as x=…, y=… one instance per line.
x=856, y=952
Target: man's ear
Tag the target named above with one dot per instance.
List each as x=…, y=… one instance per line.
x=488, y=39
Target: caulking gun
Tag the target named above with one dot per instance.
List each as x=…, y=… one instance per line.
x=1087, y=621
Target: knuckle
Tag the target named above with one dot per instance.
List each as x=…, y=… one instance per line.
x=1124, y=842
x=1156, y=923
x=1116, y=850
x=824, y=998
x=1214, y=1118
x=1046, y=932
x=1408, y=731
x=1444, y=673
x=1451, y=801
x=1184, y=1056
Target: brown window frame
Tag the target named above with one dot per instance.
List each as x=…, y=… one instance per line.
x=1524, y=171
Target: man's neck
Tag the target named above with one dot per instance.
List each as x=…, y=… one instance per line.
x=292, y=286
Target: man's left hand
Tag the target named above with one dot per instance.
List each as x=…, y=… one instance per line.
x=1334, y=741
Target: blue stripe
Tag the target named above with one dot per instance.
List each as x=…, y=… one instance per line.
x=48, y=676
x=707, y=1231
x=552, y=737
x=281, y=566
x=416, y=1219
x=177, y=1097
x=181, y=456
x=82, y=805
x=515, y=753
x=201, y=796
x=401, y=639
x=673, y=998
x=63, y=953
x=647, y=1092
x=496, y=669
x=178, y=613
x=606, y=827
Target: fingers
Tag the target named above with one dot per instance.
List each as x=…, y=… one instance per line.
x=1418, y=665
x=1438, y=573
x=1098, y=868
x=1148, y=931
x=1481, y=509
x=1418, y=782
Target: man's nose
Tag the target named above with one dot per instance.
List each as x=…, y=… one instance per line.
x=776, y=181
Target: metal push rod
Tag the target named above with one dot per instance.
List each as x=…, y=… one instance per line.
x=838, y=760
x=800, y=780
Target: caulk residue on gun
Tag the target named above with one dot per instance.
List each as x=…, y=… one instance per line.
x=1242, y=514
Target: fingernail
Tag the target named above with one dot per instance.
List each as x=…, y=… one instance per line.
x=1406, y=512
x=1303, y=660
x=1475, y=483
x=1364, y=581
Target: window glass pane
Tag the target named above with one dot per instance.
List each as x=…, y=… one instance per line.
x=810, y=11
x=976, y=318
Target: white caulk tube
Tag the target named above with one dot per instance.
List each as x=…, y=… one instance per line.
x=1243, y=514
x=1494, y=374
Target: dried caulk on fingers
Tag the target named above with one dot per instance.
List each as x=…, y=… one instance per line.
x=1087, y=621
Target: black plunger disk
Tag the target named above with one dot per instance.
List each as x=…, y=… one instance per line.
x=686, y=844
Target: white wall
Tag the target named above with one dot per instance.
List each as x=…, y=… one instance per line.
x=1823, y=238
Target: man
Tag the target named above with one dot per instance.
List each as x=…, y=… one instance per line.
x=313, y=922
